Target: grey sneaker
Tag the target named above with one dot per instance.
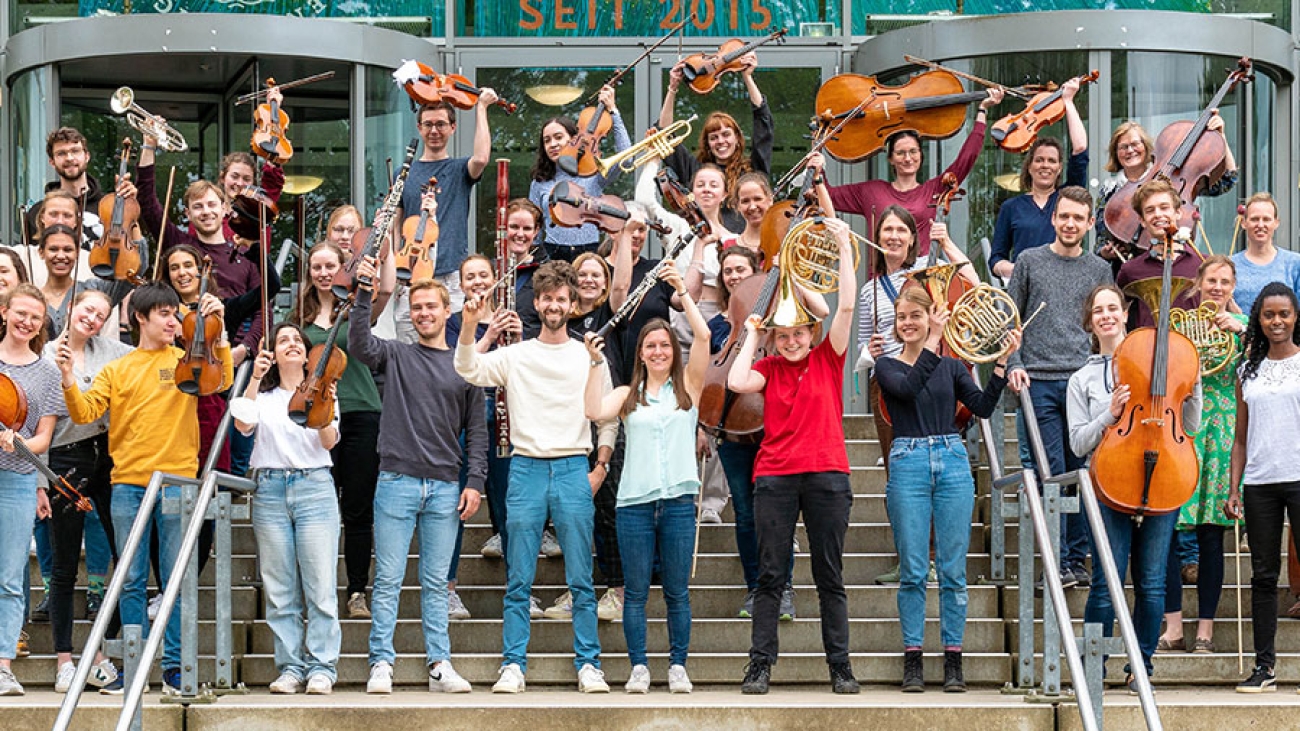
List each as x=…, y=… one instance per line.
x=747, y=608
x=891, y=576
x=639, y=682
x=455, y=607
x=64, y=679
x=9, y=685
x=550, y=546
x=787, y=604
x=357, y=608
x=492, y=547
x=678, y=680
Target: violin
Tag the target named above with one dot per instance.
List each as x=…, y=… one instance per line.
x=426, y=86
x=1185, y=156
x=931, y=104
x=702, y=71
x=682, y=202
x=115, y=256
x=310, y=405
x=1146, y=464
x=419, y=253
x=250, y=206
x=200, y=372
x=1017, y=132
x=269, y=140
x=571, y=206
x=13, y=415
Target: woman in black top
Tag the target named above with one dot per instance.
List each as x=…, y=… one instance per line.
x=930, y=481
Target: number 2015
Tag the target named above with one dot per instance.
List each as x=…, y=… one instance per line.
x=703, y=13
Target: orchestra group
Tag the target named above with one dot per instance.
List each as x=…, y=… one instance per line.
x=600, y=404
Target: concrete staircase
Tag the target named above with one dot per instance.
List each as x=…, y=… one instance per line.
x=719, y=640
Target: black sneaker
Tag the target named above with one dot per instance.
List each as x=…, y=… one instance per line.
x=953, y=682
x=171, y=681
x=913, y=672
x=41, y=612
x=115, y=687
x=787, y=604
x=1082, y=578
x=747, y=609
x=1068, y=578
x=758, y=674
x=93, y=602
x=842, y=680
x=1262, y=680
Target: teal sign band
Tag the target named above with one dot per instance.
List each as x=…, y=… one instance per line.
x=585, y=18
x=379, y=10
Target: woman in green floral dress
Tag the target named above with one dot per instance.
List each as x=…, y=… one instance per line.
x=1204, y=513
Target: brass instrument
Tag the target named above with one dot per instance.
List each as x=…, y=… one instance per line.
x=1216, y=347
x=150, y=125
x=980, y=320
x=810, y=258
x=654, y=147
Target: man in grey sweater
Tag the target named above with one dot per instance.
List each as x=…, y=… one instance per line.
x=1061, y=276
x=426, y=407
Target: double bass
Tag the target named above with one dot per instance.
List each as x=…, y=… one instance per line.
x=1186, y=157
x=1146, y=463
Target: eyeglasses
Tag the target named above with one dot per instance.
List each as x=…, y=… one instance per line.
x=440, y=126
x=1130, y=146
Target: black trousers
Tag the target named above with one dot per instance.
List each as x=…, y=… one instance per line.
x=356, y=472
x=608, y=558
x=89, y=458
x=824, y=499
x=1268, y=507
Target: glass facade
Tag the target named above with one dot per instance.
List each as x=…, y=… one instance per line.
x=30, y=166
x=873, y=17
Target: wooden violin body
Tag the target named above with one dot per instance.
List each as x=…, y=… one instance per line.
x=115, y=256
x=310, y=405
x=571, y=206
x=931, y=104
x=247, y=210
x=579, y=156
x=13, y=403
x=269, y=139
x=702, y=71
x=416, y=258
x=13, y=414
x=1017, y=132
x=200, y=371
x=430, y=87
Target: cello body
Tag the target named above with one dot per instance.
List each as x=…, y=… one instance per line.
x=737, y=417
x=931, y=104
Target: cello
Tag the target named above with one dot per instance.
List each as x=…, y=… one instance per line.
x=115, y=256
x=1185, y=156
x=200, y=372
x=1146, y=463
x=13, y=415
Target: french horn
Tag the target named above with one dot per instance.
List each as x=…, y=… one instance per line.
x=1216, y=347
x=980, y=320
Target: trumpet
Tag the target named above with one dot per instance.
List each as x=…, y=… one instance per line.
x=150, y=125
x=654, y=147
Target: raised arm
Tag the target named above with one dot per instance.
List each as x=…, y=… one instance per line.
x=362, y=342
x=842, y=325
x=597, y=405
x=742, y=378
x=482, y=153
x=1073, y=122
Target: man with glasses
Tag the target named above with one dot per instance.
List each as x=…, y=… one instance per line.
x=69, y=156
x=456, y=177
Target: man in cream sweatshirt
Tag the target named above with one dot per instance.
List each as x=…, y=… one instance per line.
x=544, y=378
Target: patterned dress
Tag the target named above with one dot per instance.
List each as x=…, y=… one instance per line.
x=1214, y=447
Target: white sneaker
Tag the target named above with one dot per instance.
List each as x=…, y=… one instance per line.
x=154, y=604
x=443, y=678
x=492, y=547
x=678, y=680
x=64, y=679
x=561, y=609
x=639, y=682
x=319, y=684
x=510, y=679
x=610, y=607
x=455, y=607
x=9, y=685
x=381, y=678
x=287, y=684
x=592, y=680
x=550, y=546
x=102, y=673
x=535, y=608
x=709, y=515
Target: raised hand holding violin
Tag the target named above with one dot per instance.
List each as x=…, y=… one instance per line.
x=269, y=140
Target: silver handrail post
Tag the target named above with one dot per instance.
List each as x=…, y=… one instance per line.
x=111, y=596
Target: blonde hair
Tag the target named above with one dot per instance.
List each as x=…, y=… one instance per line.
x=1112, y=150
x=917, y=296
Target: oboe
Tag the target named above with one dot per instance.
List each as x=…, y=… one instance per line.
x=503, y=299
x=634, y=297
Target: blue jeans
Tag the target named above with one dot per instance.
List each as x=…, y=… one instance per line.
x=930, y=484
x=125, y=505
x=296, y=523
x=1049, y=399
x=99, y=554
x=17, y=516
x=738, y=465
x=663, y=528
x=555, y=488
x=403, y=504
x=1143, y=550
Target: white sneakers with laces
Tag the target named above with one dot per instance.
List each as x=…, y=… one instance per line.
x=592, y=680
x=443, y=678
x=510, y=679
x=639, y=681
x=287, y=684
x=381, y=679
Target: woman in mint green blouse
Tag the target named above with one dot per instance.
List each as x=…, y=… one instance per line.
x=656, y=496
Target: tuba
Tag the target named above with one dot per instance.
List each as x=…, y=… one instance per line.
x=1216, y=347
x=151, y=125
x=810, y=258
x=654, y=147
x=980, y=320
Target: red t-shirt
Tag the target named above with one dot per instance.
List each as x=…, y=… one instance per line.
x=803, y=416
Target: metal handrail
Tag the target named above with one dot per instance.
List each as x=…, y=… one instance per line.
x=113, y=593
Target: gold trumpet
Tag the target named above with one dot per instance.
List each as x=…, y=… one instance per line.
x=1216, y=347
x=150, y=125
x=654, y=147
x=810, y=258
x=980, y=320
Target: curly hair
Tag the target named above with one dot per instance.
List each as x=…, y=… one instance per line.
x=1255, y=343
x=736, y=165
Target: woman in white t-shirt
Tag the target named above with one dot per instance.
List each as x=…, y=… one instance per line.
x=1264, y=472
x=295, y=517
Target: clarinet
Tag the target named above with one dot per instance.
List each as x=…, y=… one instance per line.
x=504, y=299
x=388, y=211
x=634, y=297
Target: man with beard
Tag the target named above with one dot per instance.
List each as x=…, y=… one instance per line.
x=66, y=149
x=548, y=472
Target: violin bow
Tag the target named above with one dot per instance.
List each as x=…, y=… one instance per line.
x=820, y=140
x=1009, y=91
x=27, y=242
x=162, y=229
x=76, y=268
x=263, y=245
x=617, y=78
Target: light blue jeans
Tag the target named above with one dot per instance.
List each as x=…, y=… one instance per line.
x=663, y=532
x=17, y=513
x=930, y=484
x=296, y=523
x=403, y=504
x=126, y=503
x=555, y=488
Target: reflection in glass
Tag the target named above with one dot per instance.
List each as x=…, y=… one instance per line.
x=30, y=163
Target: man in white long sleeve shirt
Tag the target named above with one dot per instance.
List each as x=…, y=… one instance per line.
x=548, y=472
